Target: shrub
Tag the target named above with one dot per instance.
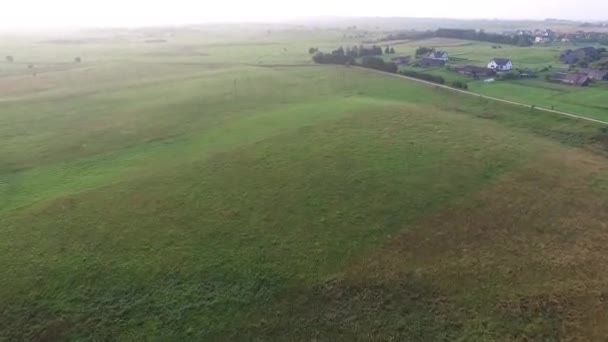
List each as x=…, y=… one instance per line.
x=423, y=76
x=508, y=76
x=460, y=85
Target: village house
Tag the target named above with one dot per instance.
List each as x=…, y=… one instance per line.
x=473, y=71
x=577, y=79
x=401, y=60
x=501, y=64
x=429, y=62
x=597, y=75
x=439, y=55
x=542, y=39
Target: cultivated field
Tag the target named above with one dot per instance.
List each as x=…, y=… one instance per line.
x=219, y=186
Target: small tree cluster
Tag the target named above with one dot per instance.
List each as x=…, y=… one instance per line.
x=422, y=51
x=10, y=59
x=313, y=50
x=389, y=50
x=379, y=64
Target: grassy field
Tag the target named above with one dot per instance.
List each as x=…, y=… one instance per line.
x=220, y=187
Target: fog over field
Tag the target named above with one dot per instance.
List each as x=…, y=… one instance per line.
x=40, y=13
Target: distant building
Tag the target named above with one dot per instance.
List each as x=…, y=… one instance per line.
x=577, y=79
x=429, y=62
x=440, y=55
x=598, y=75
x=401, y=60
x=501, y=64
x=473, y=71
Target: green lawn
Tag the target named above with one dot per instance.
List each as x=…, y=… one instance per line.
x=221, y=187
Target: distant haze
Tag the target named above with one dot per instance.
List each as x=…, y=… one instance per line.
x=60, y=13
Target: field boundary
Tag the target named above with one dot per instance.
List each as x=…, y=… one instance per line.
x=552, y=111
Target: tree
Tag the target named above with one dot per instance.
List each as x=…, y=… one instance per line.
x=392, y=50
x=336, y=57
x=10, y=59
x=339, y=51
x=421, y=51
x=77, y=60
x=387, y=50
x=379, y=64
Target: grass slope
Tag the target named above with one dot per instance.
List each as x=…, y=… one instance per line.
x=251, y=202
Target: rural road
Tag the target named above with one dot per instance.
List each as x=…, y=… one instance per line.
x=575, y=116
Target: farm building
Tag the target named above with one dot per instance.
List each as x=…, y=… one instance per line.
x=401, y=60
x=500, y=64
x=439, y=55
x=429, y=62
x=580, y=80
x=594, y=74
x=473, y=71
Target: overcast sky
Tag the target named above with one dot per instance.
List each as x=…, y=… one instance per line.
x=58, y=13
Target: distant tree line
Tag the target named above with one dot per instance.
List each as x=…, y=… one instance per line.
x=410, y=35
x=347, y=56
x=466, y=34
x=484, y=36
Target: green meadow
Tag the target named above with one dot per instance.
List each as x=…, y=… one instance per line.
x=219, y=186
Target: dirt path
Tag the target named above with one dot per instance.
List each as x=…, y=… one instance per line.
x=575, y=116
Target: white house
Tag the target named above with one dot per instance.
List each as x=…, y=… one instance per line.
x=440, y=55
x=542, y=39
x=500, y=64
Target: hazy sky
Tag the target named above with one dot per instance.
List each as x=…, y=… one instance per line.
x=57, y=13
